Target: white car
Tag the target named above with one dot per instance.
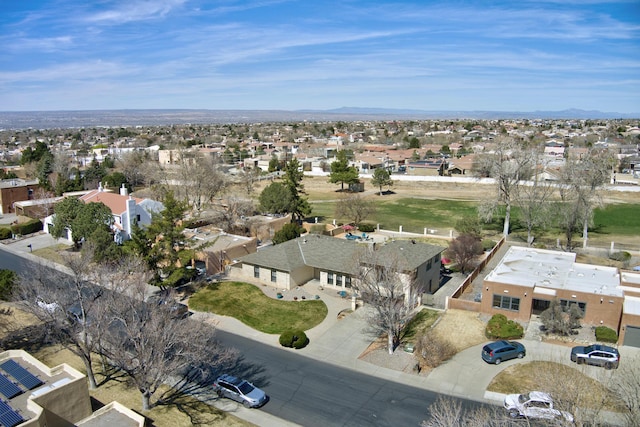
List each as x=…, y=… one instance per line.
x=534, y=405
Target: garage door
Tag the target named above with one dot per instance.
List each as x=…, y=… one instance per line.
x=632, y=336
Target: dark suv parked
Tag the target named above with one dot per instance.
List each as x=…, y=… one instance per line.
x=596, y=354
x=499, y=351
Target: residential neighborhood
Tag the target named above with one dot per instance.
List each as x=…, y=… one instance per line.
x=194, y=203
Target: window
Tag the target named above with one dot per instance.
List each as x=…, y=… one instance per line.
x=566, y=304
x=347, y=281
x=330, y=278
x=338, y=280
x=508, y=303
x=256, y=271
x=274, y=276
x=429, y=264
x=138, y=218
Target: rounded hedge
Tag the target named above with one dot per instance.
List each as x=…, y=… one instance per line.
x=294, y=339
x=499, y=327
x=5, y=233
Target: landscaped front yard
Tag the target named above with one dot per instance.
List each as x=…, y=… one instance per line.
x=252, y=307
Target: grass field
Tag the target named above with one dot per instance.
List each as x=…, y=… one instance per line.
x=252, y=307
x=413, y=214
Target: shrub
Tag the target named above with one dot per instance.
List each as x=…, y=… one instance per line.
x=621, y=256
x=606, y=334
x=488, y=244
x=432, y=349
x=5, y=233
x=559, y=320
x=499, y=327
x=31, y=226
x=366, y=227
x=288, y=232
x=286, y=339
x=294, y=339
x=300, y=340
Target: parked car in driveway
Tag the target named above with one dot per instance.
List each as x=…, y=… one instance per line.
x=499, y=351
x=241, y=391
x=596, y=354
x=534, y=405
x=178, y=310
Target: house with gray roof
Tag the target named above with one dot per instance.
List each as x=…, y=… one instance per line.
x=334, y=263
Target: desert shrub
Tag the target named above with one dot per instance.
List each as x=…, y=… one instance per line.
x=606, y=334
x=5, y=233
x=366, y=227
x=499, y=327
x=488, y=244
x=560, y=320
x=286, y=339
x=31, y=226
x=621, y=256
x=432, y=349
x=294, y=339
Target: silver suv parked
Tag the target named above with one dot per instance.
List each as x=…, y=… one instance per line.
x=240, y=390
x=596, y=354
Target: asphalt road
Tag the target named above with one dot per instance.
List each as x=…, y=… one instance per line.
x=308, y=392
x=312, y=393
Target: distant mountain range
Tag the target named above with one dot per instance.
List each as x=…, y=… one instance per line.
x=111, y=118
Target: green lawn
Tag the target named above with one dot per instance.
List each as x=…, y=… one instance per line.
x=416, y=214
x=413, y=214
x=617, y=219
x=252, y=307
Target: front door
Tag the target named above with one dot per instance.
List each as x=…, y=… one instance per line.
x=539, y=305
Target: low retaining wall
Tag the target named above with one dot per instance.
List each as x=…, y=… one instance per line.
x=460, y=304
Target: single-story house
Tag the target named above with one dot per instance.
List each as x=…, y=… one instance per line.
x=526, y=280
x=333, y=262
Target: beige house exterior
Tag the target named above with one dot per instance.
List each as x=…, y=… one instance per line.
x=333, y=263
x=61, y=399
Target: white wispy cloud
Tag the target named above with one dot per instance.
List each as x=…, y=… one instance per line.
x=135, y=10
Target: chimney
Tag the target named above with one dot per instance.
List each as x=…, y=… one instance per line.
x=123, y=190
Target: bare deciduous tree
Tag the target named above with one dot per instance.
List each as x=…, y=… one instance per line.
x=200, y=179
x=249, y=178
x=464, y=250
x=232, y=214
x=534, y=203
x=68, y=305
x=152, y=347
x=383, y=286
x=131, y=165
x=355, y=207
x=448, y=412
x=508, y=165
x=581, y=180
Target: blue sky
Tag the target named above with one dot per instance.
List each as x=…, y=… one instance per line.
x=314, y=54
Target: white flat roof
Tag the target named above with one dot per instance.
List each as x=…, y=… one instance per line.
x=530, y=267
x=630, y=277
x=631, y=305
